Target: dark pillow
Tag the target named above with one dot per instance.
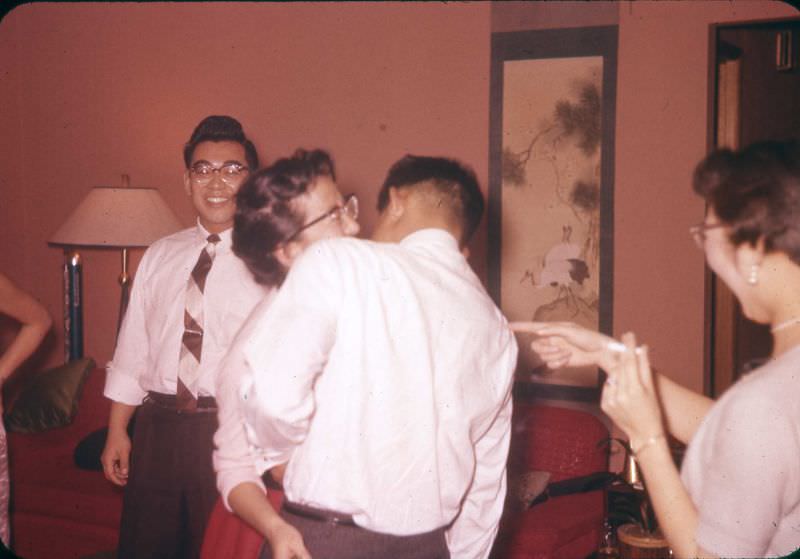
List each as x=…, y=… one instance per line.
x=50, y=399
x=87, y=453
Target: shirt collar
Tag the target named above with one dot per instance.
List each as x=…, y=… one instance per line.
x=431, y=236
x=226, y=237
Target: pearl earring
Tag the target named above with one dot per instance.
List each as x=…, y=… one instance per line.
x=752, y=279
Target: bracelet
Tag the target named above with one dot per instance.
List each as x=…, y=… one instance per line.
x=646, y=444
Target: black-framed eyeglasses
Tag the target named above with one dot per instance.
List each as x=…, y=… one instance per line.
x=698, y=232
x=231, y=172
x=349, y=208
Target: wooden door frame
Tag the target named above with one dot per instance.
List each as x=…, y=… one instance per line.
x=720, y=325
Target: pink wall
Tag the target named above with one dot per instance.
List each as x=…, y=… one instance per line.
x=661, y=134
x=90, y=91
x=97, y=90
x=516, y=15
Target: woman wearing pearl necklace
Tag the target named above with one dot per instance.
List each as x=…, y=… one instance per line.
x=738, y=491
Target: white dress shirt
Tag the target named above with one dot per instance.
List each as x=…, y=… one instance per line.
x=148, y=347
x=382, y=374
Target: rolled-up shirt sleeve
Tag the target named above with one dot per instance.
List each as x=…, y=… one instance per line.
x=286, y=353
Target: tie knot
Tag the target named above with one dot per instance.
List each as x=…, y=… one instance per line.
x=213, y=238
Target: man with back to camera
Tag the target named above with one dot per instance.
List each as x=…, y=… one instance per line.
x=190, y=296
x=382, y=376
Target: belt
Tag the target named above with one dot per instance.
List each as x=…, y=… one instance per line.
x=205, y=404
x=320, y=515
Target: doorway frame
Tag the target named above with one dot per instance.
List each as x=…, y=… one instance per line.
x=720, y=305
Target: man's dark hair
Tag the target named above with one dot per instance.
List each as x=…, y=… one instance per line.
x=266, y=215
x=451, y=180
x=220, y=129
x=756, y=192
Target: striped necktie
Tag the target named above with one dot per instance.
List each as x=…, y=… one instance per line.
x=192, y=341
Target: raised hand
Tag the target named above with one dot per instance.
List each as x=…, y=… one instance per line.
x=629, y=396
x=564, y=344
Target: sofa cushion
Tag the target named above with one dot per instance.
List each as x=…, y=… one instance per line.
x=57, y=510
x=563, y=527
x=49, y=399
x=562, y=441
x=37, y=536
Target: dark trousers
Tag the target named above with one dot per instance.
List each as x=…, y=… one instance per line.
x=172, y=487
x=325, y=540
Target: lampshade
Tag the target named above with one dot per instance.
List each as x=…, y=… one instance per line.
x=118, y=217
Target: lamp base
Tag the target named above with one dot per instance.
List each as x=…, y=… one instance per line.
x=125, y=290
x=73, y=306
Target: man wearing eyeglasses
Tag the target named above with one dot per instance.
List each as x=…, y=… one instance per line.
x=381, y=377
x=189, y=299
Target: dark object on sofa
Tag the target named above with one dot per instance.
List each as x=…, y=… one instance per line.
x=581, y=484
x=90, y=448
x=59, y=511
x=6, y=553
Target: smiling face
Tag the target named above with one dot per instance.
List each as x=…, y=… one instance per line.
x=215, y=200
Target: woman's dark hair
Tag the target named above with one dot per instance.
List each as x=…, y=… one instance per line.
x=449, y=177
x=266, y=214
x=220, y=129
x=756, y=192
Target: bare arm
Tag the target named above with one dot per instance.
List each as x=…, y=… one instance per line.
x=35, y=321
x=562, y=344
x=683, y=409
x=117, y=452
x=251, y=504
x=630, y=399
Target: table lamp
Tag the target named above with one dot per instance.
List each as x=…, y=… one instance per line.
x=108, y=217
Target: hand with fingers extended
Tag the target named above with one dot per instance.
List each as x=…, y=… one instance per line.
x=629, y=396
x=564, y=344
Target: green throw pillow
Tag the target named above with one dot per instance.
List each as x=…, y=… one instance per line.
x=50, y=399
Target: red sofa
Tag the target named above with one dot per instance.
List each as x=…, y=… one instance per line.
x=567, y=444
x=59, y=511
x=229, y=537
x=560, y=441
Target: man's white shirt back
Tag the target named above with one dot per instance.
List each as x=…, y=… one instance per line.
x=382, y=374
